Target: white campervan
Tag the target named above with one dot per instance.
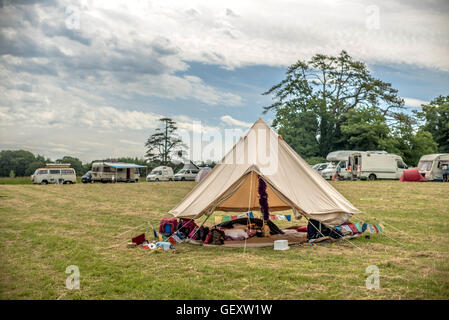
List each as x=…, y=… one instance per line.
x=374, y=165
x=161, y=173
x=54, y=173
x=430, y=166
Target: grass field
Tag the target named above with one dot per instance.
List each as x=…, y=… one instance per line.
x=44, y=229
x=16, y=180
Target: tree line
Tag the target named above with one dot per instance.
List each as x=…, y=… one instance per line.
x=324, y=104
x=333, y=103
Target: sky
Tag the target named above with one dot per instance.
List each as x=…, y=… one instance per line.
x=91, y=78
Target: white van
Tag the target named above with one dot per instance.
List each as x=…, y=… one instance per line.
x=161, y=173
x=186, y=175
x=430, y=166
x=54, y=173
x=374, y=165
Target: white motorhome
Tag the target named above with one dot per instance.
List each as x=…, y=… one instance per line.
x=54, y=173
x=336, y=159
x=430, y=166
x=161, y=173
x=374, y=165
x=115, y=172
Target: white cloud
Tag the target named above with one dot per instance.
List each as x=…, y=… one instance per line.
x=234, y=122
x=280, y=32
x=91, y=87
x=414, y=103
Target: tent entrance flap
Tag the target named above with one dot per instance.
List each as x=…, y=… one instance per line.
x=239, y=201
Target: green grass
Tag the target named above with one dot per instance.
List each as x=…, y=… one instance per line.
x=44, y=229
x=16, y=180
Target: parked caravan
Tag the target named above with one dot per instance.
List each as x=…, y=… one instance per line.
x=161, y=173
x=337, y=159
x=374, y=165
x=54, y=173
x=115, y=172
x=430, y=166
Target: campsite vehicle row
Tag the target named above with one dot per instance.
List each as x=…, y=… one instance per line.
x=372, y=165
x=350, y=164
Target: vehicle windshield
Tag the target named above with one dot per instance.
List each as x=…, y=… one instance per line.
x=333, y=165
x=425, y=165
x=322, y=167
x=156, y=172
x=181, y=171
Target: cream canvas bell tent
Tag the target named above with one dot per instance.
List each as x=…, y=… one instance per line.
x=232, y=185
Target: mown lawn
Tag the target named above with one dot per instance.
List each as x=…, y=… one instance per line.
x=45, y=229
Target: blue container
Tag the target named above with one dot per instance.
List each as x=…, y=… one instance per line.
x=167, y=229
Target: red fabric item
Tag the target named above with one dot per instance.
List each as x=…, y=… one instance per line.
x=272, y=217
x=171, y=240
x=352, y=226
x=208, y=239
x=233, y=217
x=302, y=229
x=412, y=175
x=139, y=239
x=187, y=225
x=172, y=221
x=375, y=229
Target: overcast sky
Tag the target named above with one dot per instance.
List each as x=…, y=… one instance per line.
x=91, y=78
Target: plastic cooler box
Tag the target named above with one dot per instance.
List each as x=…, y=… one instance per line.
x=281, y=245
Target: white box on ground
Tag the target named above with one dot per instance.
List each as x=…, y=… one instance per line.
x=281, y=245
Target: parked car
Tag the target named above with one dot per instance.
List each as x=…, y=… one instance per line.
x=337, y=159
x=331, y=168
x=186, y=175
x=87, y=177
x=161, y=173
x=320, y=166
x=54, y=173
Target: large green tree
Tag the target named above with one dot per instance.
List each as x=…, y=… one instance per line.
x=436, y=121
x=75, y=163
x=320, y=94
x=18, y=161
x=366, y=129
x=409, y=141
x=164, y=143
